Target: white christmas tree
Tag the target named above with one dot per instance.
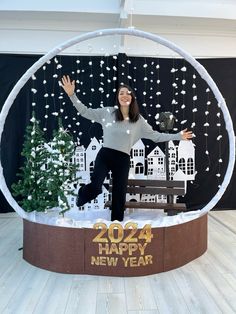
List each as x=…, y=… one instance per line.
x=62, y=181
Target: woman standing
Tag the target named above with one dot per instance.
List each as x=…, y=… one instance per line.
x=122, y=126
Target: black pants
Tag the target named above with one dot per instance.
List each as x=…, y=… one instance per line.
x=108, y=159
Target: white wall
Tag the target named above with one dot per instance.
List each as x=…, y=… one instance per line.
x=203, y=28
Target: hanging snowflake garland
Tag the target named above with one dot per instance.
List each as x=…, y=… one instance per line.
x=175, y=93
x=194, y=103
x=183, y=93
x=158, y=93
x=148, y=79
x=219, y=139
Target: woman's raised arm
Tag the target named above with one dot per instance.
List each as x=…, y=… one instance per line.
x=96, y=115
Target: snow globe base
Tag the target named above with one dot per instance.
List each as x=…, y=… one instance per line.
x=114, y=250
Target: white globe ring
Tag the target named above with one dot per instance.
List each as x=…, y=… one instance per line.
x=138, y=33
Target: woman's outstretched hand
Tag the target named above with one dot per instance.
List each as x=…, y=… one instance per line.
x=186, y=135
x=68, y=85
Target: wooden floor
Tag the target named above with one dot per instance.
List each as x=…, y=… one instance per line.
x=206, y=285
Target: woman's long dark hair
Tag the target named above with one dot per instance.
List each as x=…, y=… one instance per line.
x=133, y=107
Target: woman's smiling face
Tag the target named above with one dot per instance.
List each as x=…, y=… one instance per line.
x=124, y=97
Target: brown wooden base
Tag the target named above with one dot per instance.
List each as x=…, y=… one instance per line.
x=72, y=250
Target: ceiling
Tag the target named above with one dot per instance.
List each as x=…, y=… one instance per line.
x=214, y=19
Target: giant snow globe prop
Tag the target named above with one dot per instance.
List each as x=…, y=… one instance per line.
x=59, y=158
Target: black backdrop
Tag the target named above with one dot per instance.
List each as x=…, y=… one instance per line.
x=143, y=74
